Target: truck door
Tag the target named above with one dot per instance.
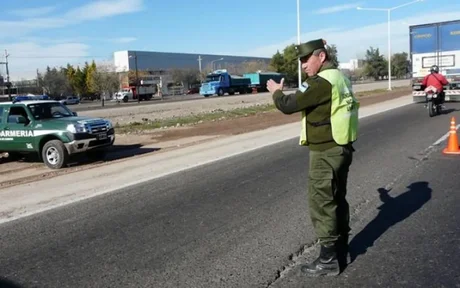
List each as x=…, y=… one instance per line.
x=3, y=143
x=424, y=47
x=449, y=49
x=16, y=135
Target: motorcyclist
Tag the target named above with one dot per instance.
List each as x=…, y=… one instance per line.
x=436, y=80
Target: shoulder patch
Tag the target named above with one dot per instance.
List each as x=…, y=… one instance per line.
x=304, y=87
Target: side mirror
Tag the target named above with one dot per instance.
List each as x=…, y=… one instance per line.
x=22, y=120
x=74, y=114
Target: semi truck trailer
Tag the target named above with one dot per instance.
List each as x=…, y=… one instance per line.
x=435, y=44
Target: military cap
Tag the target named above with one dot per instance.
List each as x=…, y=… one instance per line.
x=307, y=48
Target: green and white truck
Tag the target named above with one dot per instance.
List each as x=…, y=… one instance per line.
x=49, y=129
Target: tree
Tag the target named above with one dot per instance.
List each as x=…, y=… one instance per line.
x=400, y=64
x=54, y=82
x=105, y=79
x=332, y=51
x=187, y=77
x=89, y=77
x=80, y=83
x=277, y=62
x=290, y=67
x=132, y=76
x=375, y=64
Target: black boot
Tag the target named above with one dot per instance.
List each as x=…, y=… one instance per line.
x=326, y=264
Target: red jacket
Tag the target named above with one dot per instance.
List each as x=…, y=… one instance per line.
x=435, y=79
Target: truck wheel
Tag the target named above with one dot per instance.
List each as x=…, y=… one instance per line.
x=54, y=154
x=220, y=92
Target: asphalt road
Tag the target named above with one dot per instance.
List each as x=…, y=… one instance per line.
x=238, y=222
x=97, y=105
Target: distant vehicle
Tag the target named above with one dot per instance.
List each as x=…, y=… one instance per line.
x=221, y=82
x=194, y=90
x=70, y=100
x=259, y=79
x=435, y=44
x=130, y=93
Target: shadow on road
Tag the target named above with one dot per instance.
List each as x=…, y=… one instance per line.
x=116, y=152
x=5, y=283
x=392, y=211
x=124, y=151
x=448, y=111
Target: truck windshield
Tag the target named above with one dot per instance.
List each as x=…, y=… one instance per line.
x=49, y=110
x=212, y=78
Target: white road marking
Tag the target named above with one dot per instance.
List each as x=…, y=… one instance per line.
x=443, y=138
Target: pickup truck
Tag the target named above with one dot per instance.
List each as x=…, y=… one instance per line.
x=49, y=129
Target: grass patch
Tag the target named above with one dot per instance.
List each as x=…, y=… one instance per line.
x=194, y=119
x=375, y=92
x=216, y=115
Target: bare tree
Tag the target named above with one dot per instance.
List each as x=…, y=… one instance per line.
x=253, y=66
x=54, y=82
x=106, y=80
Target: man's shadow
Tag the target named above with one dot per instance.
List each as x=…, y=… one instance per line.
x=5, y=283
x=392, y=211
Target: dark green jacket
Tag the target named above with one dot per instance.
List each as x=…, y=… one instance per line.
x=316, y=101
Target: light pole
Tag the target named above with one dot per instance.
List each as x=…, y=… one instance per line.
x=212, y=62
x=298, y=42
x=137, y=76
x=388, y=10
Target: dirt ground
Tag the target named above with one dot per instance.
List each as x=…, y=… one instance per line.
x=167, y=110
x=126, y=146
x=235, y=126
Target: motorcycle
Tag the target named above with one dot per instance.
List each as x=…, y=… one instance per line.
x=433, y=100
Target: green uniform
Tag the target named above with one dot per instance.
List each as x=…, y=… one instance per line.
x=329, y=126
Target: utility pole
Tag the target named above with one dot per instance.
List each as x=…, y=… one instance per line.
x=199, y=66
x=137, y=79
x=8, y=83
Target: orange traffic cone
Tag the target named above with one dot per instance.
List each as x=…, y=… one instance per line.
x=452, y=145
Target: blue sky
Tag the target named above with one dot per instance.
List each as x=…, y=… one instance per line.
x=49, y=32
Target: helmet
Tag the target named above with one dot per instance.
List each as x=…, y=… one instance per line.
x=434, y=69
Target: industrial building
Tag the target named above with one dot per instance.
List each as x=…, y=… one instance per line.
x=163, y=61
x=159, y=66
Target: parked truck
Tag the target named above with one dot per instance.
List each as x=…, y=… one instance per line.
x=259, y=79
x=435, y=44
x=221, y=82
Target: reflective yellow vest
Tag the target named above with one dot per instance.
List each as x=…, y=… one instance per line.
x=344, y=109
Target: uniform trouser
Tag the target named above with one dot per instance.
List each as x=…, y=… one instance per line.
x=327, y=189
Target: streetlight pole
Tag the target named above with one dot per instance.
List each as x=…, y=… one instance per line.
x=388, y=10
x=137, y=76
x=298, y=42
x=212, y=62
x=8, y=83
